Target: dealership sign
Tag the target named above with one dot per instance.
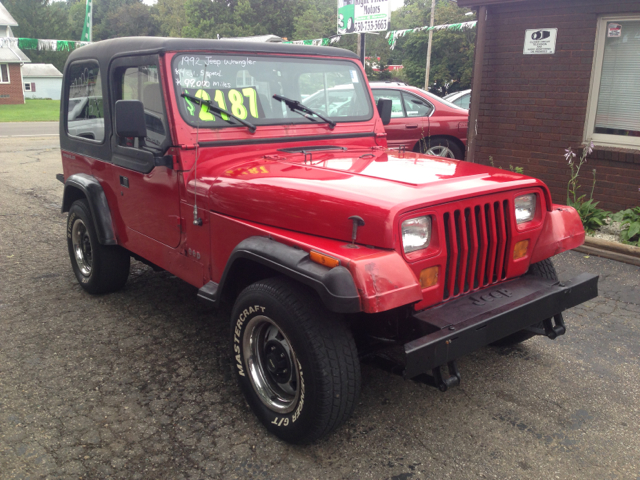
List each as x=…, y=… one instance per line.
x=355, y=16
x=540, y=41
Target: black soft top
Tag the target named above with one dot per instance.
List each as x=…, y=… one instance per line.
x=105, y=50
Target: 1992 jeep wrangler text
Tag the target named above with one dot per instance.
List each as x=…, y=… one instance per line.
x=260, y=174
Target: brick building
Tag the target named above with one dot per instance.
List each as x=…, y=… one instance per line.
x=11, y=61
x=529, y=104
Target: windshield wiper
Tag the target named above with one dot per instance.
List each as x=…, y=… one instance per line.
x=219, y=111
x=303, y=110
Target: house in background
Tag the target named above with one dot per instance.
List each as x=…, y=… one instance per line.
x=11, y=61
x=550, y=74
x=41, y=80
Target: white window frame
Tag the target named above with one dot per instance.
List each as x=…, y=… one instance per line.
x=8, y=74
x=602, y=139
x=27, y=86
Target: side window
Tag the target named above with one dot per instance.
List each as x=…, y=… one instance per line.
x=396, y=109
x=143, y=83
x=416, y=107
x=85, y=106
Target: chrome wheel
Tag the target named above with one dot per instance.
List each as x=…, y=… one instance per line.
x=440, y=151
x=272, y=364
x=82, y=250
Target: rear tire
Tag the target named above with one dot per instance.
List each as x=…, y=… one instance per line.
x=543, y=269
x=98, y=268
x=296, y=362
x=441, y=147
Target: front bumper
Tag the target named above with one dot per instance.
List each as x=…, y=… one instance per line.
x=474, y=321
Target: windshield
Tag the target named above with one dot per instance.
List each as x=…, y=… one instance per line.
x=244, y=86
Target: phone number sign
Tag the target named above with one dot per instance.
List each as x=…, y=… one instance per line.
x=356, y=16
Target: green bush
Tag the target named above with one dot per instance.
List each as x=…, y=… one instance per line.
x=630, y=219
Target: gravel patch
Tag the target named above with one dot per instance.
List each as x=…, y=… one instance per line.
x=610, y=231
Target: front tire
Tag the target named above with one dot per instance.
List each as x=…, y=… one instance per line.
x=98, y=268
x=296, y=362
x=543, y=269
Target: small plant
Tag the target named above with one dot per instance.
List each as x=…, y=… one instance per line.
x=592, y=217
x=630, y=219
x=511, y=167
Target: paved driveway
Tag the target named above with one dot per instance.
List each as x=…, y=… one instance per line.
x=138, y=384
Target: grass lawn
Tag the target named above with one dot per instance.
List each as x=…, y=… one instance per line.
x=32, y=111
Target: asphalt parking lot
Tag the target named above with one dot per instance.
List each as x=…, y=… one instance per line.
x=138, y=384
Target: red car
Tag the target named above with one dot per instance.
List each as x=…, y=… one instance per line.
x=260, y=175
x=423, y=122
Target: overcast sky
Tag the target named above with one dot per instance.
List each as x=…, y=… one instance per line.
x=395, y=4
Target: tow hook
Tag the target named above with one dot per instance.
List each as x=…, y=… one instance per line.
x=436, y=379
x=553, y=331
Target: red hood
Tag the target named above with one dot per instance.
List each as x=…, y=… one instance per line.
x=318, y=196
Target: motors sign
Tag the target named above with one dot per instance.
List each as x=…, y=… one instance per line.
x=356, y=16
x=540, y=41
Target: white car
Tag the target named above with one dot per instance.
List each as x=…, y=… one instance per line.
x=461, y=99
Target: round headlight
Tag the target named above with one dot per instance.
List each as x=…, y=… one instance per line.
x=525, y=206
x=416, y=234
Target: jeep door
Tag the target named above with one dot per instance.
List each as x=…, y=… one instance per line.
x=149, y=198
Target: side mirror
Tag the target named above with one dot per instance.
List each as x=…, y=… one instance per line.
x=130, y=121
x=384, y=109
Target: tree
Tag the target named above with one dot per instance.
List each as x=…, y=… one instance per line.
x=170, y=17
x=452, y=51
x=130, y=20
x=43, y=20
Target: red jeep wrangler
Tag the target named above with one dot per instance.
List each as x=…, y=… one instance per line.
x=201, y=157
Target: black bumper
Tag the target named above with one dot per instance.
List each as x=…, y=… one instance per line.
x=474, y=321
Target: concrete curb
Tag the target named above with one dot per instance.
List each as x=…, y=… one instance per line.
x=612, y=250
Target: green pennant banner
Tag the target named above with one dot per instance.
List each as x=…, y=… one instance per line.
x=318, y=42
x=393, y=35
x=87, y=28
x=40, y=44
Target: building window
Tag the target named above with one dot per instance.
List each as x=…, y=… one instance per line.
x=613, y=116
x=4, y=73
x=27, y=87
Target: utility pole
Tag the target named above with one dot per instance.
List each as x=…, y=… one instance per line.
x=426, y=77
x=361, y=47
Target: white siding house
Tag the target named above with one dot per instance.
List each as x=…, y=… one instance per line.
x=41, y=80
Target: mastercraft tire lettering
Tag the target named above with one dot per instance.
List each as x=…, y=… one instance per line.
x=296, y=363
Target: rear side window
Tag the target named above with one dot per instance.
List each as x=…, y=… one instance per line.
x=416, y=107
x=85, y=105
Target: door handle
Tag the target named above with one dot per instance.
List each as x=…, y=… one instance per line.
x=124, y=181
x=411, y=126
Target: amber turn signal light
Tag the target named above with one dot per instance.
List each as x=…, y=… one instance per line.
x=429, y=277
x=520, y=250
x=323, y=259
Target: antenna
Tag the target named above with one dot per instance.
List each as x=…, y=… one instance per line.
x=196, y=219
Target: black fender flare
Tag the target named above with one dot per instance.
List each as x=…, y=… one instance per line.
x=93, y=192
x=335, y=286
